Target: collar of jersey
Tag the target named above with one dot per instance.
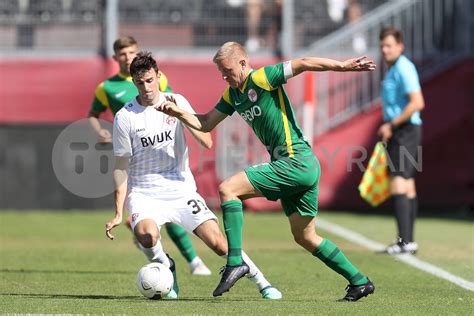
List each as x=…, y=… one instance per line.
x=246, y=81
x=121, y=75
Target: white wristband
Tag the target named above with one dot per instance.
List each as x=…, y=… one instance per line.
x=287, y=71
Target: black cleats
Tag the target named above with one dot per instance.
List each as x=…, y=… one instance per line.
x=172, y=263
x=356, y=292
x=230, y=275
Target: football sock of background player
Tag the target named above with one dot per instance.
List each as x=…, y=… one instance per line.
x=335, y=259
x=327, y=252
x=182, y=241
x=402, y=207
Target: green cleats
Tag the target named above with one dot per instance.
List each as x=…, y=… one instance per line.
x=172, y=295
x=175, y=278
x=271, y=293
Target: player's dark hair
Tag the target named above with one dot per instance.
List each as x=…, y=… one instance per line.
x=391, y=31
x=142, y=63
x=122, y=42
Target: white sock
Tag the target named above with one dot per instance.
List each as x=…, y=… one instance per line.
x=254, y=275
x=196, y=261
x=156, y=254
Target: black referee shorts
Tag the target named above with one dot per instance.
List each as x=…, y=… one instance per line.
x=404, y=151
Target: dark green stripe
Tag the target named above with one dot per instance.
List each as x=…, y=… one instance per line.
x=233, y=210
x=334, y=253
x=183, y=234
x=235, y=252
x=356, y=278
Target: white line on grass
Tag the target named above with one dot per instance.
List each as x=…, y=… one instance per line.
x=406, y=258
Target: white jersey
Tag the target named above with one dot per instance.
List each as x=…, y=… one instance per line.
x=156, y=145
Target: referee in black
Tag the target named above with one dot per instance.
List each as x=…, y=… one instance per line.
x=402, y=101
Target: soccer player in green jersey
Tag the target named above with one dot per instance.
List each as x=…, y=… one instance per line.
x=112, y=94
x=293, y=173
x=117, y=90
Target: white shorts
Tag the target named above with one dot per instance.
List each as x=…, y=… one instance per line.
x=188, y=211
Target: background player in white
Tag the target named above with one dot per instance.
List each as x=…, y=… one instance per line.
x=152, y=162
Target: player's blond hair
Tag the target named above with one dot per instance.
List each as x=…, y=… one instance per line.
x=123, y=42
x=230, y=50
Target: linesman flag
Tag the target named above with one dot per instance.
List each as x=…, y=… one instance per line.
x=375, y=186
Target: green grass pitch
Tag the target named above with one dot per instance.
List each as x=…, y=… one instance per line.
x=61, y=262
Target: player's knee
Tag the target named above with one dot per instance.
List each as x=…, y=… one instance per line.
x=147, y=240
x=303, y=239
x=225, y=190
x=299, y=238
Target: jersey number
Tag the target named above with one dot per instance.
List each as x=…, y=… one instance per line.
x=195, y=205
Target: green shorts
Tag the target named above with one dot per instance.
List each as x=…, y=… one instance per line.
x=293, y=180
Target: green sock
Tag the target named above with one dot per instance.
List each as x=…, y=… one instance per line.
x=334, y=258
x=181, y=240
x=233, y=221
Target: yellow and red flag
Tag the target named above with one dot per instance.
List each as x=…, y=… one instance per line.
x=375, y=184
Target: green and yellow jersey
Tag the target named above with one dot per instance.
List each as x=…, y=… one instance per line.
x=114, y=92
x=264, y=105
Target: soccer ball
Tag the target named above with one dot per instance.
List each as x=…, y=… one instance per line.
x=155, y=280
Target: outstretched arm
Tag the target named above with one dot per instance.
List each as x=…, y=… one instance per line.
x=201, y=122
x=204, y=139
x=324, y=64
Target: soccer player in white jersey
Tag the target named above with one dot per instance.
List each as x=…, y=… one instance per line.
x=152, y=164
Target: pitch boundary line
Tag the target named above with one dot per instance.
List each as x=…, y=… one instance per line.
x=409, y=259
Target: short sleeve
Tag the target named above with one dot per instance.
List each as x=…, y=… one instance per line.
x=409, y=78
x=225, y=104
x=121, y=135
x=269, y=77
x=101, y=102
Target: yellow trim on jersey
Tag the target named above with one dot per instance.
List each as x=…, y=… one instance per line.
x=163, y=82
x=261, y=80
x=244, y=85
x=226, y=96
x=286, y=126
x=101, y=95
x=121, y=75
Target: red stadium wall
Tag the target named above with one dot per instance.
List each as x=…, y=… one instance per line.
x=447, y=178
x=60, y=91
